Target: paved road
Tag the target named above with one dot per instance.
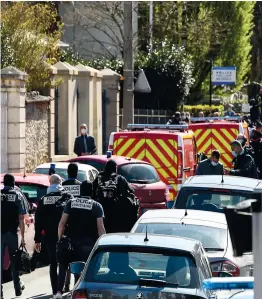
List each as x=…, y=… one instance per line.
x=37, y=286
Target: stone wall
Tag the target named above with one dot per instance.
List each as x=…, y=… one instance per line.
x=37, y=131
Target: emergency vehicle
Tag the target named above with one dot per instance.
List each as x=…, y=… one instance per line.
x=217, y=133
x=171, y=149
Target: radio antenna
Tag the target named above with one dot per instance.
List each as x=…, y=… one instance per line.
x=146, y=238
x=222, y=181
x=24, y=174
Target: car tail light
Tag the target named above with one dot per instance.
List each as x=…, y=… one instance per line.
x=167, y=194
x=179, y=169
x=226, y=266
x=79, y=294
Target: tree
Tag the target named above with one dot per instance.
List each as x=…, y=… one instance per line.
x=27, y=41
x=97, y=27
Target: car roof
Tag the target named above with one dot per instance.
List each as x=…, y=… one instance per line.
x=214, y=181
x=163, y=241
x=30, y=178
x=120, y=160
x=64, y=165
x=178, y=215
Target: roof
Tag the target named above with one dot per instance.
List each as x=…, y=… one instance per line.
x=214, y=181
x=120, y=160
x=177, y=216
x=64, y=165
x=134, y=239
x=31, y=178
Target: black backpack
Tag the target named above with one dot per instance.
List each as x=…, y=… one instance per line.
x=107, y=190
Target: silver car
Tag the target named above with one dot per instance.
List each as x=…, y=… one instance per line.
x=208, y=227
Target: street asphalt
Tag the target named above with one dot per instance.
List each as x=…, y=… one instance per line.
x=37, y=286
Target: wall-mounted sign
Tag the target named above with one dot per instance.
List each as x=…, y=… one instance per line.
x=223, y=75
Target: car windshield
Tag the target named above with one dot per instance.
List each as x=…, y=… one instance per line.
x=139, y=173
x=100, y=166
x=210, y=237
x=81, y=176
x=129, y=266
x=34, y=192
x=209, y=200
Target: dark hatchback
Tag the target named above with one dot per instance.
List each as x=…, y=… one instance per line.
x=136, y=266
x=212, y=193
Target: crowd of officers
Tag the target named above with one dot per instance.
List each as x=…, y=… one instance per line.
x=69, y=219
x=247, y=160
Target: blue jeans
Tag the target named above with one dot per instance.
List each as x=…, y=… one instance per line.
x=10, y=240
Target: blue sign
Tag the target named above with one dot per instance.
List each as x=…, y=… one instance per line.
x=224, y=75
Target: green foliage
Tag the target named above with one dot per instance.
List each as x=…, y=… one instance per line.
x=27, y=41
x=208, y=110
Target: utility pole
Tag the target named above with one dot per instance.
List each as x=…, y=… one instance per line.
x=151, y=17
x=128, y=72
x=210, y=83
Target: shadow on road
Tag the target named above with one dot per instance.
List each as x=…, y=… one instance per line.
x=41, y=296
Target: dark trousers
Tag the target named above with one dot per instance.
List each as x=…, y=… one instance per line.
x=51, y=249
x=10, y=240
x=81, y=253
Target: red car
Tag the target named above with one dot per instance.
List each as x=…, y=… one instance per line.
x=142, y=176
x=33, y=186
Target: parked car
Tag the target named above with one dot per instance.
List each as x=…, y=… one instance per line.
x=143, y=266
x=209, y=228
x=142, y=176
x=212, y=193
x=33, y=186
x=85, y=172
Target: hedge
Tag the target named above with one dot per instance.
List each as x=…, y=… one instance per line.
x=208, y=110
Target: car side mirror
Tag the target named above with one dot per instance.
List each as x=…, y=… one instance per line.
x=224, y=274
x=77, y=267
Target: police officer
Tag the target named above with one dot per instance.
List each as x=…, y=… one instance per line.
x=84, y=219
x=244, y=164
x=72, y=185
x=13, y=210
x=117, y=199
x=47, y=217
x=256, y=142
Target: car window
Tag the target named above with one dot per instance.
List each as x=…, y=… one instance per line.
x=210, y=237
x=81, y=176
x=139, y=173
x=34, y=192
x=95, y=173
x=100, y=166
x=90, y=176
x=213, y=200
x=127, y=267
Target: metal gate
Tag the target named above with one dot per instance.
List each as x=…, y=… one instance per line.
x=4, y=163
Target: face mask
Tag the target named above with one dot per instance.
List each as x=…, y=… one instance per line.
x=214, y=163
x=234, y=154
x=83, y=131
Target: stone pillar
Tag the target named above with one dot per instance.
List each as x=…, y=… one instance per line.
x=67, y=108
x=85, y=96
x=13, y=83
x=53, y=71
x=112, y=88
x=98, y=112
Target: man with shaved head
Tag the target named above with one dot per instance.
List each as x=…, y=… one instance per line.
x=84, y=143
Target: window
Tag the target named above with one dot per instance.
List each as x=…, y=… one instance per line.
x=210, y=237
x=95, y=173
x=90, y=176
x=81, y=176
x=129, y=265
x=100, y=166
x=209, y=200
x=34, y=192
x=139, y=173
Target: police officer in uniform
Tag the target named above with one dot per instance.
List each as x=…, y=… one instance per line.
x=13, y=210
x=47, y=217
x=72, y=186
x=84, y=219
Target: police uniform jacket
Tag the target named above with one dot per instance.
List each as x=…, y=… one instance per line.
x=12, y=205
x=48, y=215
x=72, y=186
